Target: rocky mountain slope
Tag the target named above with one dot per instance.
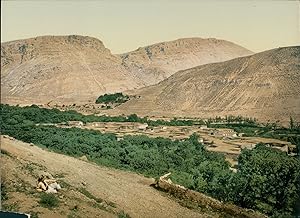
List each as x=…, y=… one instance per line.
x=265, y=85
x=71, y=69
x=155, y=63
x=61, y=68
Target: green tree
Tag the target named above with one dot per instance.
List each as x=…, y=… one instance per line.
x=268, y=180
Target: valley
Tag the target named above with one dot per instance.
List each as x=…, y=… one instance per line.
x=221, y=140
x=219, y=120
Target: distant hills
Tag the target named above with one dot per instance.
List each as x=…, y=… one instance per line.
x=265, y=85
x=185, y=77
x=76, y=68
x=157, y=62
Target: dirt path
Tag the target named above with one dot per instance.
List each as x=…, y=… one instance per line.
x=129, y=191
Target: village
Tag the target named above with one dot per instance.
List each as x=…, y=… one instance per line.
x=221, y=140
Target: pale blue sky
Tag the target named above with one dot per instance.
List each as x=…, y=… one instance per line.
x=125, y=25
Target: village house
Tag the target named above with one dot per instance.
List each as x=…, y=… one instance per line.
x=142, y=126
x=228, y=133
x=75, y=123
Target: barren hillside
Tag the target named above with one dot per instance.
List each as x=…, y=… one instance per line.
x=157, y=62
x=265, y=85
x=61, y=68
x=120, y=190
x=72, y=69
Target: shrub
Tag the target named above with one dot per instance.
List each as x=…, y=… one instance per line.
x=112, y=98
x=48, y=200
x=3, y=192
x=122, y=214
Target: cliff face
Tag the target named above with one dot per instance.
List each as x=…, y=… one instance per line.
x=265, y=85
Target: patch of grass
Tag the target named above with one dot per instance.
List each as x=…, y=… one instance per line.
x=90, y=195
x=64, y=184
x=3, y=192
x=4, y=152
x=33, y=214
x=10, y=207
x=99, y=203
x=29, y=167
x=48, y=200
x=73, y=214
x=22, y=186
x=75, y=208
x=112, y=204
x=60, y=175
x=122, y=214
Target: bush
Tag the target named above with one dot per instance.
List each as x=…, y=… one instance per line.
x=3, y=192
x=48, y=200
x=112, y=98
x=267, y=180
x=122, y=214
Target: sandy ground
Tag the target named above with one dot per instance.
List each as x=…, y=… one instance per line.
x=128, y=191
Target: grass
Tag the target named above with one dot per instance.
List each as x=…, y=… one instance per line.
x=33, y=214
x=29, y=167
x=99, y=203
x=122, y=214
x=64, y=184
x=112, y=204
x=10, y=207
x=72, y=214
x=48, y=200
x=90, y=195
x=4, y=152
x=3, y=192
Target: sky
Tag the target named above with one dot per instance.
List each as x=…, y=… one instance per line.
x=125, y=25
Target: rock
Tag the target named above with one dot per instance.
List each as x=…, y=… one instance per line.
x=84, y=158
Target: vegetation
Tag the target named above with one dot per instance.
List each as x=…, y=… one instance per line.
x=3, y=192
x=122, y=214
x=48, y=200
x=250, y=127
x=36, y=115
x=89, y=195
x=112, y=98
x=266, y=180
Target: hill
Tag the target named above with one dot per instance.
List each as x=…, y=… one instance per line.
x=264, y=85
x=83, y=184
x=73, y=69
x=61, y=68
x=156, y=62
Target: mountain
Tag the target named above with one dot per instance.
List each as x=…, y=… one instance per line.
x=71, y=69
x=265, y=85
x=61, y=68
x=155, y=63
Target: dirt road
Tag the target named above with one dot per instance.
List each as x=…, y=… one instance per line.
x=129, y=191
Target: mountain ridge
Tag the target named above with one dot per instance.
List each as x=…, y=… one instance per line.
x=163, y=59
x=264, y=85
x=77, y=68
